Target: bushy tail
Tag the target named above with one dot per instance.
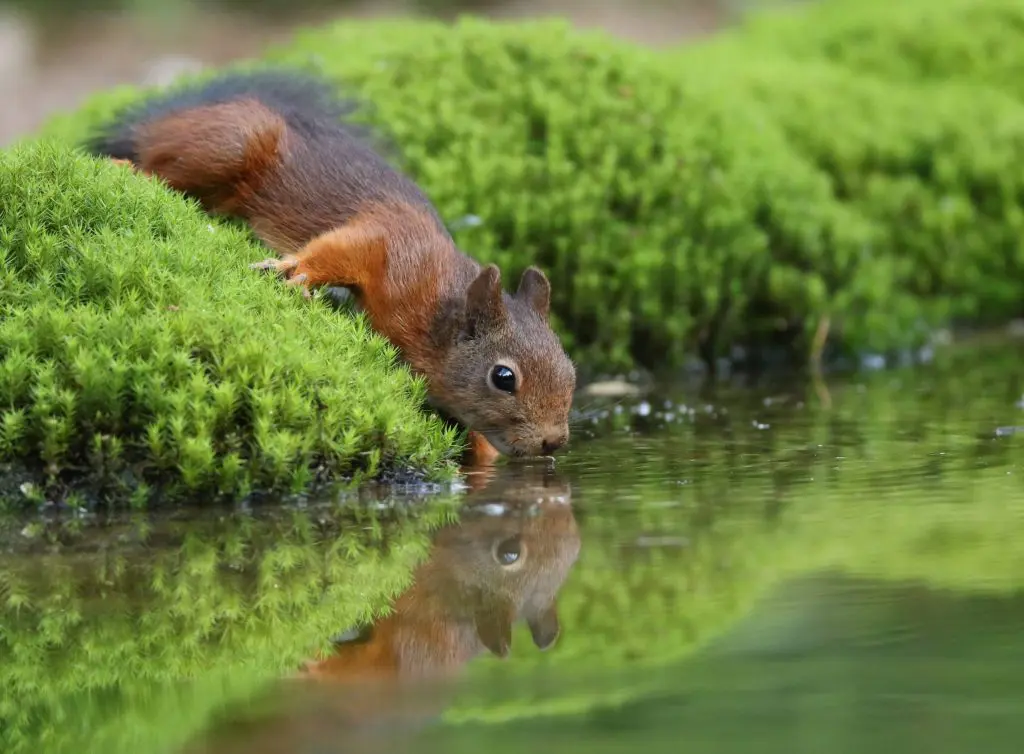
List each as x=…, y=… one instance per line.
x=217, y=140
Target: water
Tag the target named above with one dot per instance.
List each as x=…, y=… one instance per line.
x=761, y=568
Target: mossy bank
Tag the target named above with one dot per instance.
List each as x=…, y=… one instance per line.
x=139, y=353
x=689, y=201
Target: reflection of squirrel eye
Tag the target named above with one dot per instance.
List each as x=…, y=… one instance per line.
x=506, y=552
x=503, y=379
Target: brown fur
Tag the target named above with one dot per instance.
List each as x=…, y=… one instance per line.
x=248, y=137
x=340, y=216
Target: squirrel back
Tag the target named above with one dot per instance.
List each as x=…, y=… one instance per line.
x=223, y=142
x=275, y=148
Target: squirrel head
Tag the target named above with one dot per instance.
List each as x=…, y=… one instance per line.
x=506, y=374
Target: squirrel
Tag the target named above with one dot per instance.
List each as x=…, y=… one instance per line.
x=273, y=148
x=504, y=560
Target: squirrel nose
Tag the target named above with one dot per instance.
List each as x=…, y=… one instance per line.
x=553, y=442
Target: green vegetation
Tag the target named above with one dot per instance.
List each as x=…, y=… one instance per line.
x=129, y=636
x=683, y=201
x=140, y=353
x=690, y=200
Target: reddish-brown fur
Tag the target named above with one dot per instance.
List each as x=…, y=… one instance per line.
x=272, y=151
x=177, y=149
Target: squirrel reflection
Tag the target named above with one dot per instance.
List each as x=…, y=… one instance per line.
x=504, y=561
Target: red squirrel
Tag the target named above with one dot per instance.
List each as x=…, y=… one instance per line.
x=505, y=560
x=273, y=148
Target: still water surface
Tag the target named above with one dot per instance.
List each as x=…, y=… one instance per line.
x=765, y=569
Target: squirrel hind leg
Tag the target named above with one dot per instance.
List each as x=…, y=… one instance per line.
x=218, y=153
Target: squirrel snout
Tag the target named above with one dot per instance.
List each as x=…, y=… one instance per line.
x=553, y=442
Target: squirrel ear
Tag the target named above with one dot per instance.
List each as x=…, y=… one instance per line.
x=494, y=627
x=535, y=290
x=483, y=297
x=545, y=627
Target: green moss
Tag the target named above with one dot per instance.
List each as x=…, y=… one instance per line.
x=131, y=636
x=140, y=353
x=688, y=201
x=945, y=214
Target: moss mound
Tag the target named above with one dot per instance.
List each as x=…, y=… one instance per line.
x=945, y=215
x=697, y=201
x=138, y=352
x=131, y=636
x=689, y=201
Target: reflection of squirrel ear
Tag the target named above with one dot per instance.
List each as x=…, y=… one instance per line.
x=483, y=299
x=544, y=627
x=494, y=627
x=535, y=290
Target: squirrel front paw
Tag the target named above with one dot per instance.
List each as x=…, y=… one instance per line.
x=480, y=453
x=288, y=268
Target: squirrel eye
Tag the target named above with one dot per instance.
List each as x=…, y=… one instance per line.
x=503, y=379
x=506, y=552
